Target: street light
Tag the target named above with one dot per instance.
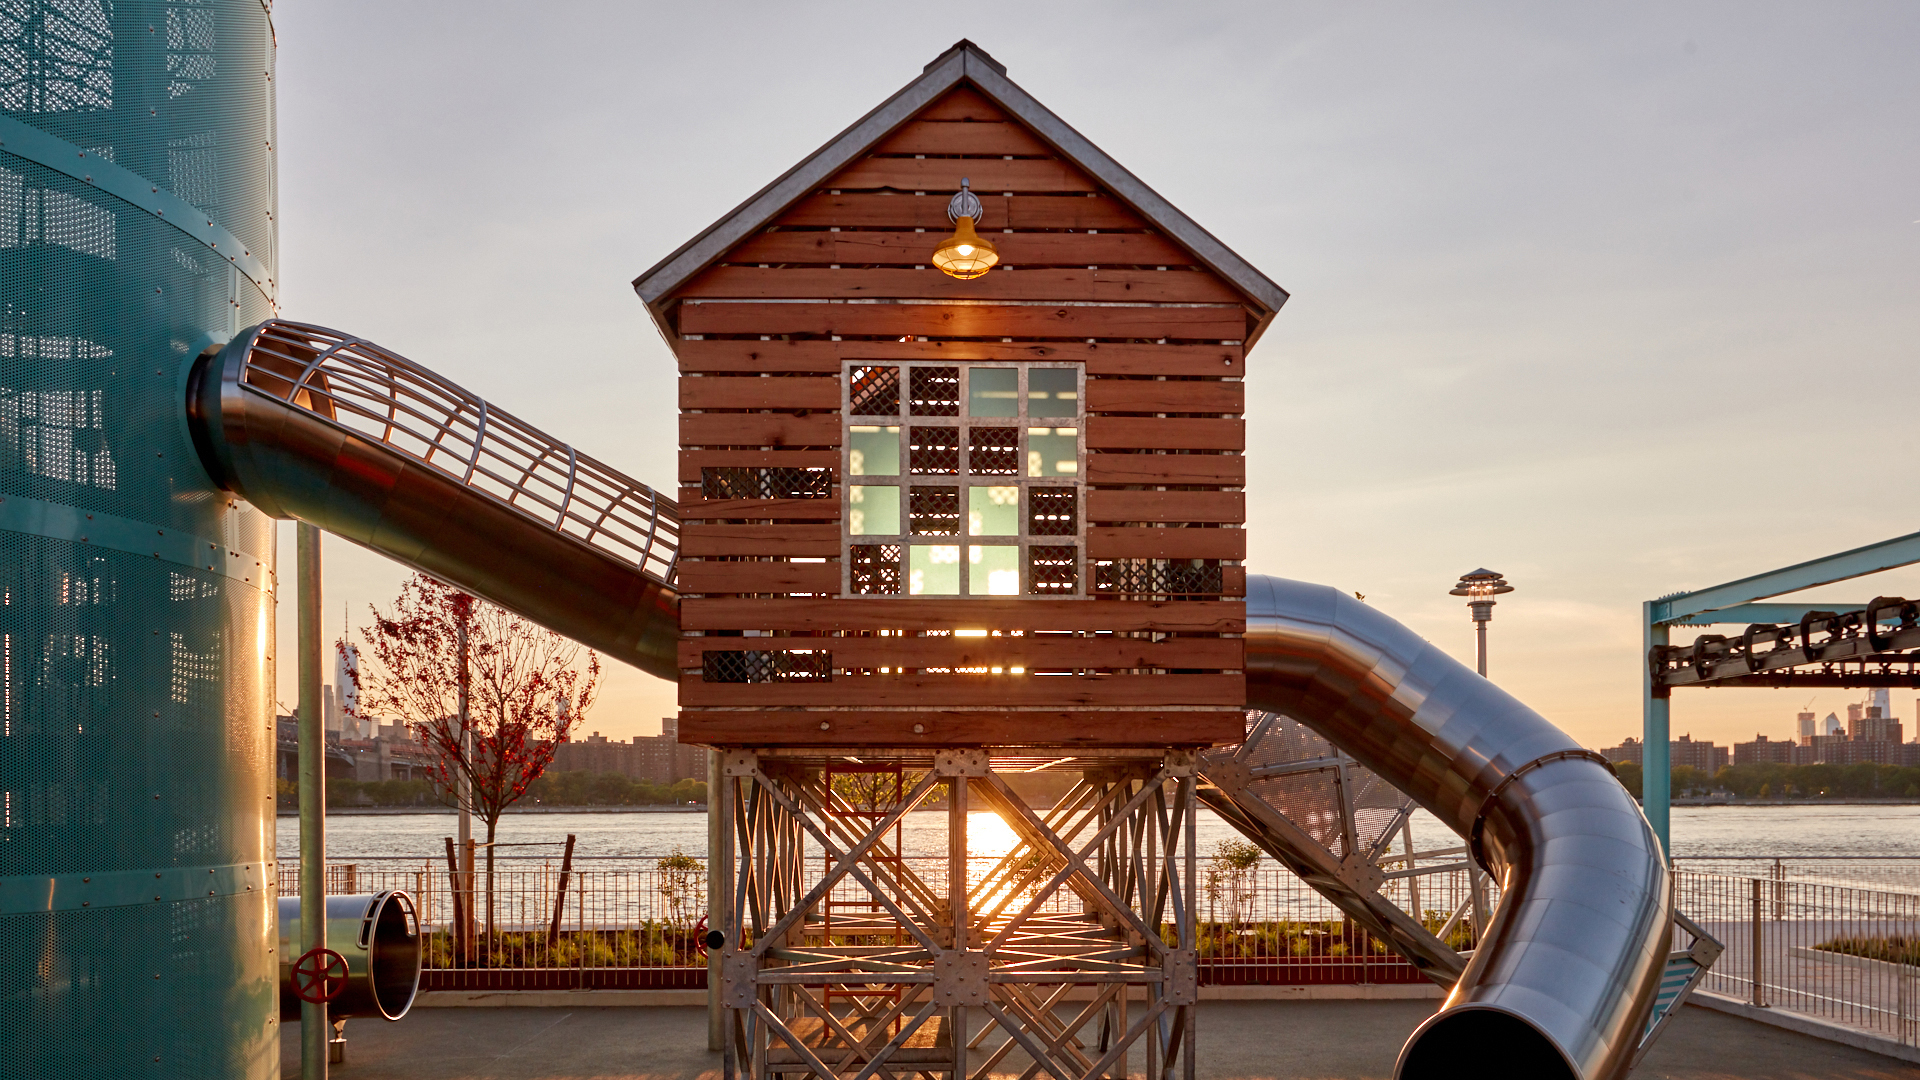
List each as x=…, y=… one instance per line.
x=1480, y=587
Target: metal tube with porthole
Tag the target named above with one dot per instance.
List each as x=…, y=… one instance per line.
x=379, y=935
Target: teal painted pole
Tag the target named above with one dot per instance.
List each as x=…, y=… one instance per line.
x=313, y=796
x=716, y=902
x=1656, y=772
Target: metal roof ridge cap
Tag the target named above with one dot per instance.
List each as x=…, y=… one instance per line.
x=732, y=227
x=1082, y=151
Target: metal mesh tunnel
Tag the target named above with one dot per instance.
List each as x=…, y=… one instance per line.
x=313, y=424
x=136, y=610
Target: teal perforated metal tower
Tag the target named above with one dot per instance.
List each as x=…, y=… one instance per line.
x=136, y=613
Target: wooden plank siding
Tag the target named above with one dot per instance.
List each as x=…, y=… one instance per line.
x=1220, y=470
x=692, y=461
x=726, y=578
x=1013, y=320
x=946, y=691
x=758, y=393
x=819, y=247
x=947, y=137
x=1080, y=284
x=808, y=356
x=892, y=210
x=763, y=336
x=1064, y=728
x=1106, y=652
x=1005, y=612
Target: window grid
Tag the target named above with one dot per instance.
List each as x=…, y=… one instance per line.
x=964, y=451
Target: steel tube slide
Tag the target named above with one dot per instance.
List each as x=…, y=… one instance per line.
x=308, y=423
x=1564, y=981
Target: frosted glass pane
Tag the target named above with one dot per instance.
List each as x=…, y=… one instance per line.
x=933, y=570
x=993, y=571
x=993, y=391
x=1053, y=392
x=1053, y=451
x=993, y=511
x=873, y=451
x=873, y=510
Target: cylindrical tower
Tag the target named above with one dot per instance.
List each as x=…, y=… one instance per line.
x=136, y=609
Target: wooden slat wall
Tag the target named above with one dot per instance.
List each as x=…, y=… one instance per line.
x=763, y=336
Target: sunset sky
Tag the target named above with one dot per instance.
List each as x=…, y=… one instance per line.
x=1617, y=300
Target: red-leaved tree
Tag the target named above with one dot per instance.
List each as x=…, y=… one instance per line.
x=489, y=692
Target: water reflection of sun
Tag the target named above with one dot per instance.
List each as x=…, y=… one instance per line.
x=988, y=836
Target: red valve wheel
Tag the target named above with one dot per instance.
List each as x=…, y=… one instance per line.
x=700, y=936
x=319, y=976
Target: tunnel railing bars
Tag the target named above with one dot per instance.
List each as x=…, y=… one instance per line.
x=384, y=397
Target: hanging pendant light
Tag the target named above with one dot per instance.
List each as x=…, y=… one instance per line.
x=964, y=254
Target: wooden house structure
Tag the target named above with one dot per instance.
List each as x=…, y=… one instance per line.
x=922, y=511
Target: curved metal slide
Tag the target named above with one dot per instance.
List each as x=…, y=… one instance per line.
x=1565, y=977
x=310, y=423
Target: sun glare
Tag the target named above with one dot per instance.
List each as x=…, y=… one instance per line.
x=988, y=836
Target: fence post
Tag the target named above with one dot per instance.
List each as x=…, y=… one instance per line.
x=459, y=917
x=1759, y=954
x=560, y=895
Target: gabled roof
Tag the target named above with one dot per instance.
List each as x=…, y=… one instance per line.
x=964, y=63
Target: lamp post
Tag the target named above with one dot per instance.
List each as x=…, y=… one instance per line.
x=1480, y=587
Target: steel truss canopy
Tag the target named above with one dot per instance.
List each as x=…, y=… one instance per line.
x=1833, y=644
x=1799, y=645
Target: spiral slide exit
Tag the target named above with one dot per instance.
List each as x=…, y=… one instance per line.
x=310, y=423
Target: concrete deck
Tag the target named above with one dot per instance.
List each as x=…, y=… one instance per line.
x=1292, y=1040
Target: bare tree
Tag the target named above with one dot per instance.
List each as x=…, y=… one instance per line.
x=489, y=692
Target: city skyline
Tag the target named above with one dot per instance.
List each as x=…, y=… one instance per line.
x=1519, y=287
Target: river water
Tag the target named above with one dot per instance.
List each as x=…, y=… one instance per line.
x=1698, y=832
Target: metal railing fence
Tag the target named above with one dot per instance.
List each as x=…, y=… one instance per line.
x=1883, y=873
x=1842, y=954
x=630, y=923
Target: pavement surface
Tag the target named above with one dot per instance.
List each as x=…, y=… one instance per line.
x=1296, y=1040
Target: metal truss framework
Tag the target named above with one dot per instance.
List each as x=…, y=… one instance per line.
x=1854, y=652
x=1332, y=822
x=1074, y=954
x=1824, y=648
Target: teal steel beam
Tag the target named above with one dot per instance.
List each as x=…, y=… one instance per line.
x=1747, y=614
x=1735, y=602
x=313, y=793
x=1885, y=555
x=1655, y=768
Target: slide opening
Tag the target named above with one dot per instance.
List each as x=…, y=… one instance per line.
x=1482, y=1044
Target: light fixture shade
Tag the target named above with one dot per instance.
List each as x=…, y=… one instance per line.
x=964, y=254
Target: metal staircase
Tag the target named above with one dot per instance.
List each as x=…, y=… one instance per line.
x=1332, y=822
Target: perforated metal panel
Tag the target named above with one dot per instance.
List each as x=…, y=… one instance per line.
x=136, y=649
x=1312, y=799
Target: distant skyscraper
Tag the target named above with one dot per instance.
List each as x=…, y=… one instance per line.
x=1808, y=728
x=1831, y=726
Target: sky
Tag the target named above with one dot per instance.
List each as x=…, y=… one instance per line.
x=1617, y=300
